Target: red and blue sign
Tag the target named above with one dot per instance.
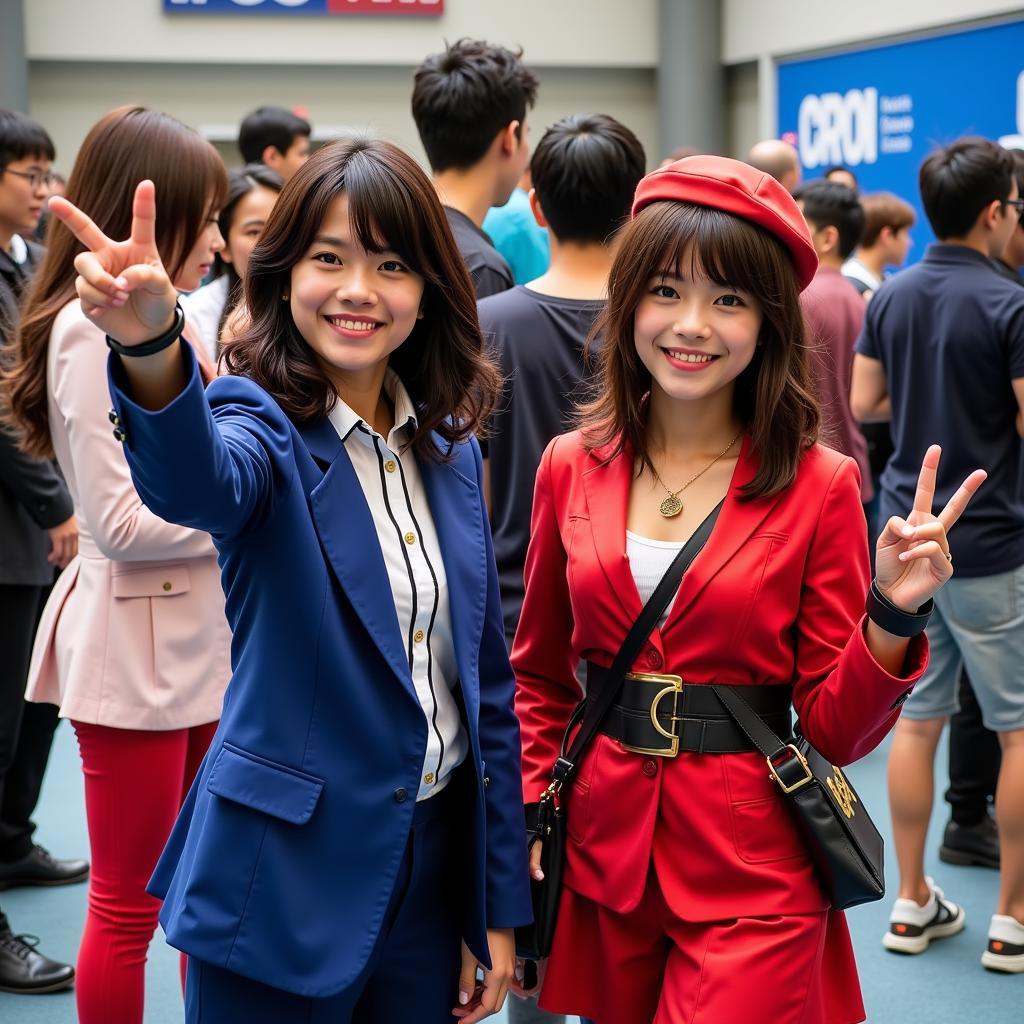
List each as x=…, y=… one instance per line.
x=392, y=7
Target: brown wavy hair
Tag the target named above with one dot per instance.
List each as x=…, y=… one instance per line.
x=393, y=205
x=123, y=148
x=774, y=397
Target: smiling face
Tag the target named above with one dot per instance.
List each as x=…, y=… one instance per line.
x=352, y=307
x=694, y=336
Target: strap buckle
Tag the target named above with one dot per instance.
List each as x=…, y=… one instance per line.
x=808, y=774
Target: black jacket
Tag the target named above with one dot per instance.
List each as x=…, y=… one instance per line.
x=33, y=495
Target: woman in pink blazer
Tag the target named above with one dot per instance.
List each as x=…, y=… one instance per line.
x=134, y=646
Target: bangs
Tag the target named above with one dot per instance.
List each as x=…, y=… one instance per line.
x=384, y=213
x=701, y=242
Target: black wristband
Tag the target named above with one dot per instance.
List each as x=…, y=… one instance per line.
x=895, y=620
x=157, y=344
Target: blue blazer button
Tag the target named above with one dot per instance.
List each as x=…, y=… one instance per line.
x=401, y=796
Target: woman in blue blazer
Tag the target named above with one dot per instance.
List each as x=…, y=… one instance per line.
x=353, y=848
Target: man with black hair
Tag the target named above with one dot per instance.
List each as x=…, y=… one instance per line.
x=841, y=175
x=585, y=170
x=835, y=314
x=943, y=351
x=971, y=837
x=1010, y=261
x=37, y=534
x=275, y=137
x=470, y=105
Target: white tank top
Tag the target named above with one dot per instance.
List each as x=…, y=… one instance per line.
x=649, y=561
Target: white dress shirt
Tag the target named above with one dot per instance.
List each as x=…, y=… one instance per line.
x=393, y=488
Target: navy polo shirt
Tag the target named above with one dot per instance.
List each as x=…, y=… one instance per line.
x=949, y=333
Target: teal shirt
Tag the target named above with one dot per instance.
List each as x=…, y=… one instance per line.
x=519, y=238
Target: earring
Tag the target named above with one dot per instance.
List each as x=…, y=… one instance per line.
x=285, y=297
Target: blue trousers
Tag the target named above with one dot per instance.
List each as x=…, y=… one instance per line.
x=413, y=972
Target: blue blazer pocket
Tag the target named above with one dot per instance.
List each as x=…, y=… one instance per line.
x=264, y=785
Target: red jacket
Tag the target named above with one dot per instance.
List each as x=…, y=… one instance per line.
x=776, y=596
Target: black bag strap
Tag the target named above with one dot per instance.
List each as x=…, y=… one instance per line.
x=592, y=712
x=766, y=740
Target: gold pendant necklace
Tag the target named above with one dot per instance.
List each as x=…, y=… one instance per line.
x=673, y=505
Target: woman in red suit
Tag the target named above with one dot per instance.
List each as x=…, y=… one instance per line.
x=689, y=895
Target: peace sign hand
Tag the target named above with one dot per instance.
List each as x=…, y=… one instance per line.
x=912, y=559
x=123, y=286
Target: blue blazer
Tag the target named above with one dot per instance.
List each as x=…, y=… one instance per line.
x=286, y=851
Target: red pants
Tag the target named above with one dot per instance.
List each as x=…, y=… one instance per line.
x=650, y=967
x=134, y=785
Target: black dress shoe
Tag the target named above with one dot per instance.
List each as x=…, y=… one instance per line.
x=38, y=867
x=26, y=972
x=971, y=845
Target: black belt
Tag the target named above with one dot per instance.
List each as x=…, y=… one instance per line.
x=661, y=715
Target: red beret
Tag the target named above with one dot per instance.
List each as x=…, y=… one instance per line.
x=737, y=188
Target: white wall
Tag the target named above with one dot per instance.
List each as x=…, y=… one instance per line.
x=68, y=97
x=87, y=56
x=563, y=33
x=751, y=28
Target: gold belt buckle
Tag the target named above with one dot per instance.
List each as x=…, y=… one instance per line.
x=674, y=686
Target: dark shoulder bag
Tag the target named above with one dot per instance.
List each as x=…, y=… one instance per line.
x=842, y=839
x=546, y=821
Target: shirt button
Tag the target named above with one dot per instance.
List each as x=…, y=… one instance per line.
x=418, y=636
x=654, y=659
x=167, y=585
x=410, y=538
x=390, y=465
x=120, y=435
x=114, y=418
x=649, y=768
x=429, y=778
x=401, y=796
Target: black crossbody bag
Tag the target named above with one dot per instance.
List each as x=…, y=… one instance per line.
x=844, y=844
x=533, y=942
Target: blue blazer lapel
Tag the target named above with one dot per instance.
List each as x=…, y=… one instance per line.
x=455, y=506
x=348, y=537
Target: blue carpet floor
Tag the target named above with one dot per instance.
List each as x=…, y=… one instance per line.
x=947, y=984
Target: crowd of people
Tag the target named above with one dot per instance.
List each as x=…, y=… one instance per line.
x=330, y=489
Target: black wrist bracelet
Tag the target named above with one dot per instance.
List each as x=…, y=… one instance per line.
x=157, y=344
x=885, y=614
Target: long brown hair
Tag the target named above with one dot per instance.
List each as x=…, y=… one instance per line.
x=123, y=148
x=774, y=398
x=392, y=205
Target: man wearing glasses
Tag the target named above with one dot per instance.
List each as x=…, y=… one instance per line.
x=38, y=536
x=942, y=356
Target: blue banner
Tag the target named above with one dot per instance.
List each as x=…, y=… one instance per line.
x=881, y=110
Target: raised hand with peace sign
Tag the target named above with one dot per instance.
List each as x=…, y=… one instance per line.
x=124, y=287
x=913, y=558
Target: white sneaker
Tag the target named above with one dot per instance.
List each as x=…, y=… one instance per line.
x=912, y=927
x=1005, y=945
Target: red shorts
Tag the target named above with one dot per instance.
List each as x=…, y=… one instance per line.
x=650, y=966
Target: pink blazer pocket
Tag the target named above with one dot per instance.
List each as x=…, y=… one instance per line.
x=161, y=582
